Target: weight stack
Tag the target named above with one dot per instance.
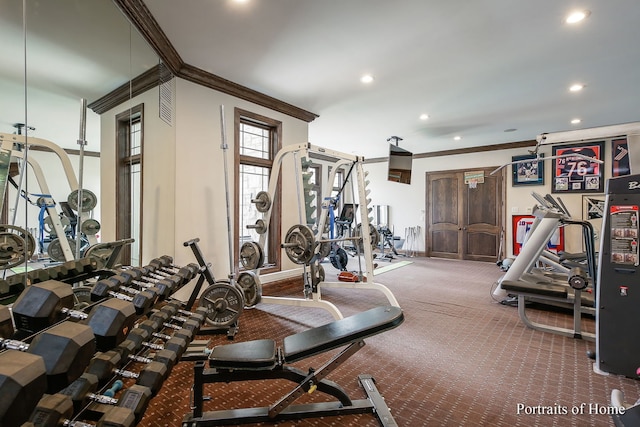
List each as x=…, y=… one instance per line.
x=618, y=284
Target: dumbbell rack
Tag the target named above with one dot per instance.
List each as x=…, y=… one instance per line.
x=22, y=361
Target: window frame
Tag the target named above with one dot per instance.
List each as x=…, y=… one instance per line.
x=124, y=162
x=275, y=223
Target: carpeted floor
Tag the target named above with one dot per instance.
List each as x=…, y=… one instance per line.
x=459, y=358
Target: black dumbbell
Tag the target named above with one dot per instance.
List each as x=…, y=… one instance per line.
x=164, y=266
x=57, y=409
x=166, y=286
x=43, y=304
x=84, y=390
x=105, y=365
x=111, y=321
x=54, y=359
x=170, y=313
x=141, y=300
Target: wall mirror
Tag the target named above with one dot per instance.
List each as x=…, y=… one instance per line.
x=56, y=53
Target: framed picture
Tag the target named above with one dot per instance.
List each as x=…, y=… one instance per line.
x=526, y=170
x=592, y=212
x=573, y=172
x=619, y=157
x=522, y=225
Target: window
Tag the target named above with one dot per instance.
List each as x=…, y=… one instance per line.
x=129, y=183
x=256, y=143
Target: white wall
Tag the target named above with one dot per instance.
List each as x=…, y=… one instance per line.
x=159, y=180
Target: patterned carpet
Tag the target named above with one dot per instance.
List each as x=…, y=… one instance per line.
x=459, y=358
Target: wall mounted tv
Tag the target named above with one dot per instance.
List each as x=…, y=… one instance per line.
x=400, y=162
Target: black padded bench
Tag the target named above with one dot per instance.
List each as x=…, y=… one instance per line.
x=262, y=359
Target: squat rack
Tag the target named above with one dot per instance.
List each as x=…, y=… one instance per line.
x=314, y=298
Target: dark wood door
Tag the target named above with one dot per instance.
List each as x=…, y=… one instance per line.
x=464, y=222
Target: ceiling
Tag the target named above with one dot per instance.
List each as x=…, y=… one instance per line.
x=489, y=71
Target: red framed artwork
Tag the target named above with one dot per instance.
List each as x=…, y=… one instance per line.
x=521, y=227
x=573, y=170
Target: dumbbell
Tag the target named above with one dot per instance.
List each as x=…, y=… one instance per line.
x=56, y=410
x=169, y=312
x=6, y=322
x=43, y=304
x=166, y=286
x=141, y=300
x=65, y=348
x=83, y=391
x=111, y=321
x=105, y=365
x=54, y=359
x=163, y=265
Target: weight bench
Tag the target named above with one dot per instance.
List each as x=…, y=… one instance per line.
x=552, y=294
x=262, y=359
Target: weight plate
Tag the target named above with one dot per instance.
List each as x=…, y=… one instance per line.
x=224, y=304
x=12, y=250
x=373, y=234
x=89, y=200
x=324, y=250
x=49, y=228
x=55, y=252
x=260, y=226
x=81, y=297
x=339, y=259
x=100, y=253
x=263, y=201
x=16, y=246
x=299, y=244
x=251, y=255
x=90, y=227
x=251, y=288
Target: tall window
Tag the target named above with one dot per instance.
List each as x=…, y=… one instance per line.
x=129, y=183
x=256, y=143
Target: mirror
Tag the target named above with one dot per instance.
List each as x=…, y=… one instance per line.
x=56, y=53
x=400, y=162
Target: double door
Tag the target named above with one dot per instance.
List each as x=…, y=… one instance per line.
x=464, y=222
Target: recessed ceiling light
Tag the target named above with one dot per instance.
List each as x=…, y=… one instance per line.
x=367, y=78
x=511, y=130
x=576, y=87
x=577, y=16
x=575, y=121
x=424, y=116
x=457, y=138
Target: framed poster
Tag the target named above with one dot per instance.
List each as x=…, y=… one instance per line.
x=620, y=157
x=573, y=172
x=521, y=227
x=592, y=212
x=526, y=170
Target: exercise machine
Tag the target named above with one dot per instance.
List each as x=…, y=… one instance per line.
x=618, y=295
x=565, y=289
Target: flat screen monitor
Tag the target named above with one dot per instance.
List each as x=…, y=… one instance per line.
x=400, y=161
